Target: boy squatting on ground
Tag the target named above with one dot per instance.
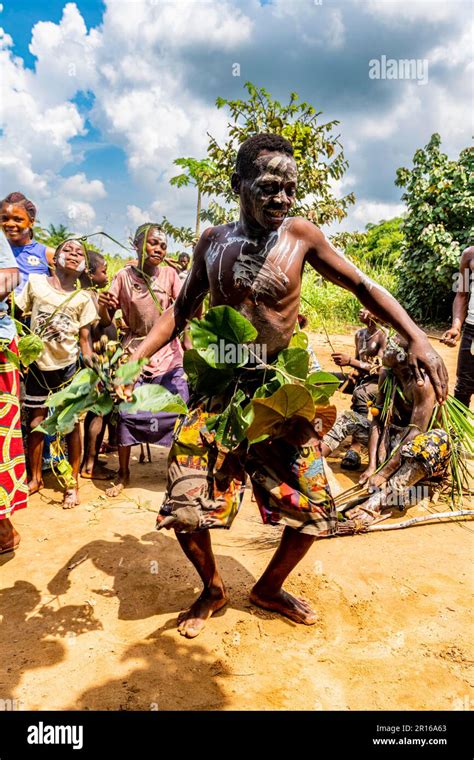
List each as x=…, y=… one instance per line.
x=62, y=316
x=255, y=265
x=416, y=454
x=362, y=383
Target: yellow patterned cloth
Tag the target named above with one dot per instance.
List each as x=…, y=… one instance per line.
x=431, y=450
x=206, y=486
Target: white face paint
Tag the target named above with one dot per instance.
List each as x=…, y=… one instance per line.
x=62, y=262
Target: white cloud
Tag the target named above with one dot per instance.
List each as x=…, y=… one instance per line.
x=373, y=211
x=146, y=64
x=79, y=185
x=397, y=12
x=137, y=216
x=335, y=30
x=385, y=124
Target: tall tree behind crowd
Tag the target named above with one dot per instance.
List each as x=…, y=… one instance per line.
x=318, y=154
x=437, y=227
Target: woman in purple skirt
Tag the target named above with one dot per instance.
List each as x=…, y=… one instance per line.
x=143, y=292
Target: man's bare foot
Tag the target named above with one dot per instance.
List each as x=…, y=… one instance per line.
x=117, y=488
x=9, y=537
x=192, y=621
x=34, y=486
x=364, y=512
x=290, y=606
x=71, y=497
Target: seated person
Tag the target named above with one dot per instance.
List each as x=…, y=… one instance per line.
x=400, y=442
x=362, y=383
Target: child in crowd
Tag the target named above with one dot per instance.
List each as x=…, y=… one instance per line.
x=17, y=217
x=62, y=316
x=143, y=292
x=94, y=279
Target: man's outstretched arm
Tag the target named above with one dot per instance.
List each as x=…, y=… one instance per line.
x=335, y=267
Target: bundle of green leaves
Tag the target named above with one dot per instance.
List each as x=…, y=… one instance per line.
x=94, y=389
x=225, y=361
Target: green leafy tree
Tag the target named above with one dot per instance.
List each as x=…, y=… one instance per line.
x=318, y=151
x=52, y=235
x=379, y=246
x=196, y=174
x=438, y=226
x=318, y=154
x=184, y=235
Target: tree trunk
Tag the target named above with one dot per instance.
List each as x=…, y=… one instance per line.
x=198, y=215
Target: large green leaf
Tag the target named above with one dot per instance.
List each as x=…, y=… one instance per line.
x=271, y=413
x=29, y=347
x=321, y=386
x=127, y=373
x=299, y=340
x=268, y=389
x=230, y=427
x=103, y=406
x=79, y=387
x=294, y=361
x=204, y=378
x=154, y=399
x=65, y=417
x=221, y=323
x=12, y=357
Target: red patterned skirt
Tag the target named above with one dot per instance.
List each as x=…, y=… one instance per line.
x=13, y=482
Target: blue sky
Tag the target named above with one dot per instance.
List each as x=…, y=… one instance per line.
x=100, y=97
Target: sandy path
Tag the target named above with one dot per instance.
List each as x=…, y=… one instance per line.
x=394, y=612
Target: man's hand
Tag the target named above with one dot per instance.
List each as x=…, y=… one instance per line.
x=366, y=475
x=342, y=360
x=108, y=300
x=375, y=481
x=125, y=392
x=451, y=336
x=421, y=354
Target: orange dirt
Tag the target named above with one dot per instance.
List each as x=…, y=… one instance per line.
x=394, y=611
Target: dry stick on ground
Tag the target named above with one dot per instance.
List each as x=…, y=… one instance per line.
x=468, y=513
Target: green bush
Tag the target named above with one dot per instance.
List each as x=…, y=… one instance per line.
x=438, y=226
x=329, y=305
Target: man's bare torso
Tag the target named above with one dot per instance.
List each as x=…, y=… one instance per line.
x=369, y=345
x=261, y=280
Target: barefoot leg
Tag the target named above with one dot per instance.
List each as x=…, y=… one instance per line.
x=124, y=472
x=268, y=592
x=74, y=449
x=35, y=449
x=9, y=537
x=198, y=549
x=93, y=434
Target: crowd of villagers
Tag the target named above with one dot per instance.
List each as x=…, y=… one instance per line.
x=63, y=296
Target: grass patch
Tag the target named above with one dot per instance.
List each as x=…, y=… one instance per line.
x=327, y=304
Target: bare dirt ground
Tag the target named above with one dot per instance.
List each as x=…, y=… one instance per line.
x=88, y=608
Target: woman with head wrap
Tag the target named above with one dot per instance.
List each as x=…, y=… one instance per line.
x=17, y=217
x=143, y=292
